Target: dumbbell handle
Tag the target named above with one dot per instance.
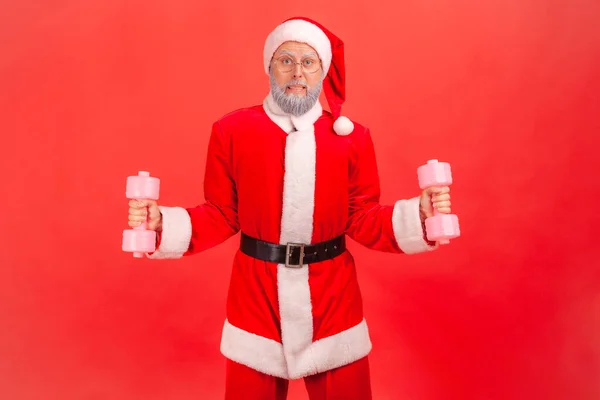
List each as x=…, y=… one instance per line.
x=435, y=210
x=144, y=225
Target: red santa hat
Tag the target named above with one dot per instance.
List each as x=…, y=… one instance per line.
x=331, y=51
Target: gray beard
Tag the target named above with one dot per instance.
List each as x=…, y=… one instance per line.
x=291, y=103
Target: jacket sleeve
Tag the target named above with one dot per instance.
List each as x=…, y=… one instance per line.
x=188, y=231
x=393, y=228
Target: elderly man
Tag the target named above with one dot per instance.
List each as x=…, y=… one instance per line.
x=294, y=180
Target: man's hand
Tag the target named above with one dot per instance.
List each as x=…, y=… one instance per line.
x=139, y=210
x=434, y=197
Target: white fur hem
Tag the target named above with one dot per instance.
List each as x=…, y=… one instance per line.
x=176, y=233
x=262, y=354
x=266, y=355
x=408, y=230
x=333, y=352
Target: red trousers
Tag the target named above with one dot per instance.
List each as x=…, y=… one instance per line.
x=350, y=382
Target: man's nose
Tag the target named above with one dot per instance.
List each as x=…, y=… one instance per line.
x=297, y=70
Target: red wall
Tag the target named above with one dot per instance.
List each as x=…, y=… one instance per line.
x=506, y=91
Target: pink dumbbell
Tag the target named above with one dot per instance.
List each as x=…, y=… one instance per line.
x=139, y=240
x=440, y=227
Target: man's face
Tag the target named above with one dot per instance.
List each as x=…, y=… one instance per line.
x=308, y=67
x=296, y=77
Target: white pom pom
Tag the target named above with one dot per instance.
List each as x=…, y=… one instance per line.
x=343, y=126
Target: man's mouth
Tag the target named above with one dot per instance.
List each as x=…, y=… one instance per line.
x=296, y=87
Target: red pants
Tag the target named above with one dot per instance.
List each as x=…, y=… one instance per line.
x=350, y=382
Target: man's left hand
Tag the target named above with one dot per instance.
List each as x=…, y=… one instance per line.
x=434, y=198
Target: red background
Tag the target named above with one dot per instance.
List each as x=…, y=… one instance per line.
x=506, y=91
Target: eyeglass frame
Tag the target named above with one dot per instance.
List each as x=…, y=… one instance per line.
x=294, y=63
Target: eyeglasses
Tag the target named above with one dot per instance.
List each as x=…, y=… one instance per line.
x=286, y=64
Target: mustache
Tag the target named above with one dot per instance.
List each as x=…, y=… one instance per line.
x=295, y=82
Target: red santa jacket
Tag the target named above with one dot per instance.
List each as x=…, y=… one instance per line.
x=281, y=179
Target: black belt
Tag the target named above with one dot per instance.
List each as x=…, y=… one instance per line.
x=293, y=255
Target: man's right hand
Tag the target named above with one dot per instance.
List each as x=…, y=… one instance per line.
x=139, y=210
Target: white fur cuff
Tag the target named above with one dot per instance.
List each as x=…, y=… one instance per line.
x=408, y=230
x=176, y=233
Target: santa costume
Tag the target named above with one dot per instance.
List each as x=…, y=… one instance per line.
x=293, y=187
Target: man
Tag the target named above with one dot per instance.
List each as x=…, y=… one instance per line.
x=294, y=180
